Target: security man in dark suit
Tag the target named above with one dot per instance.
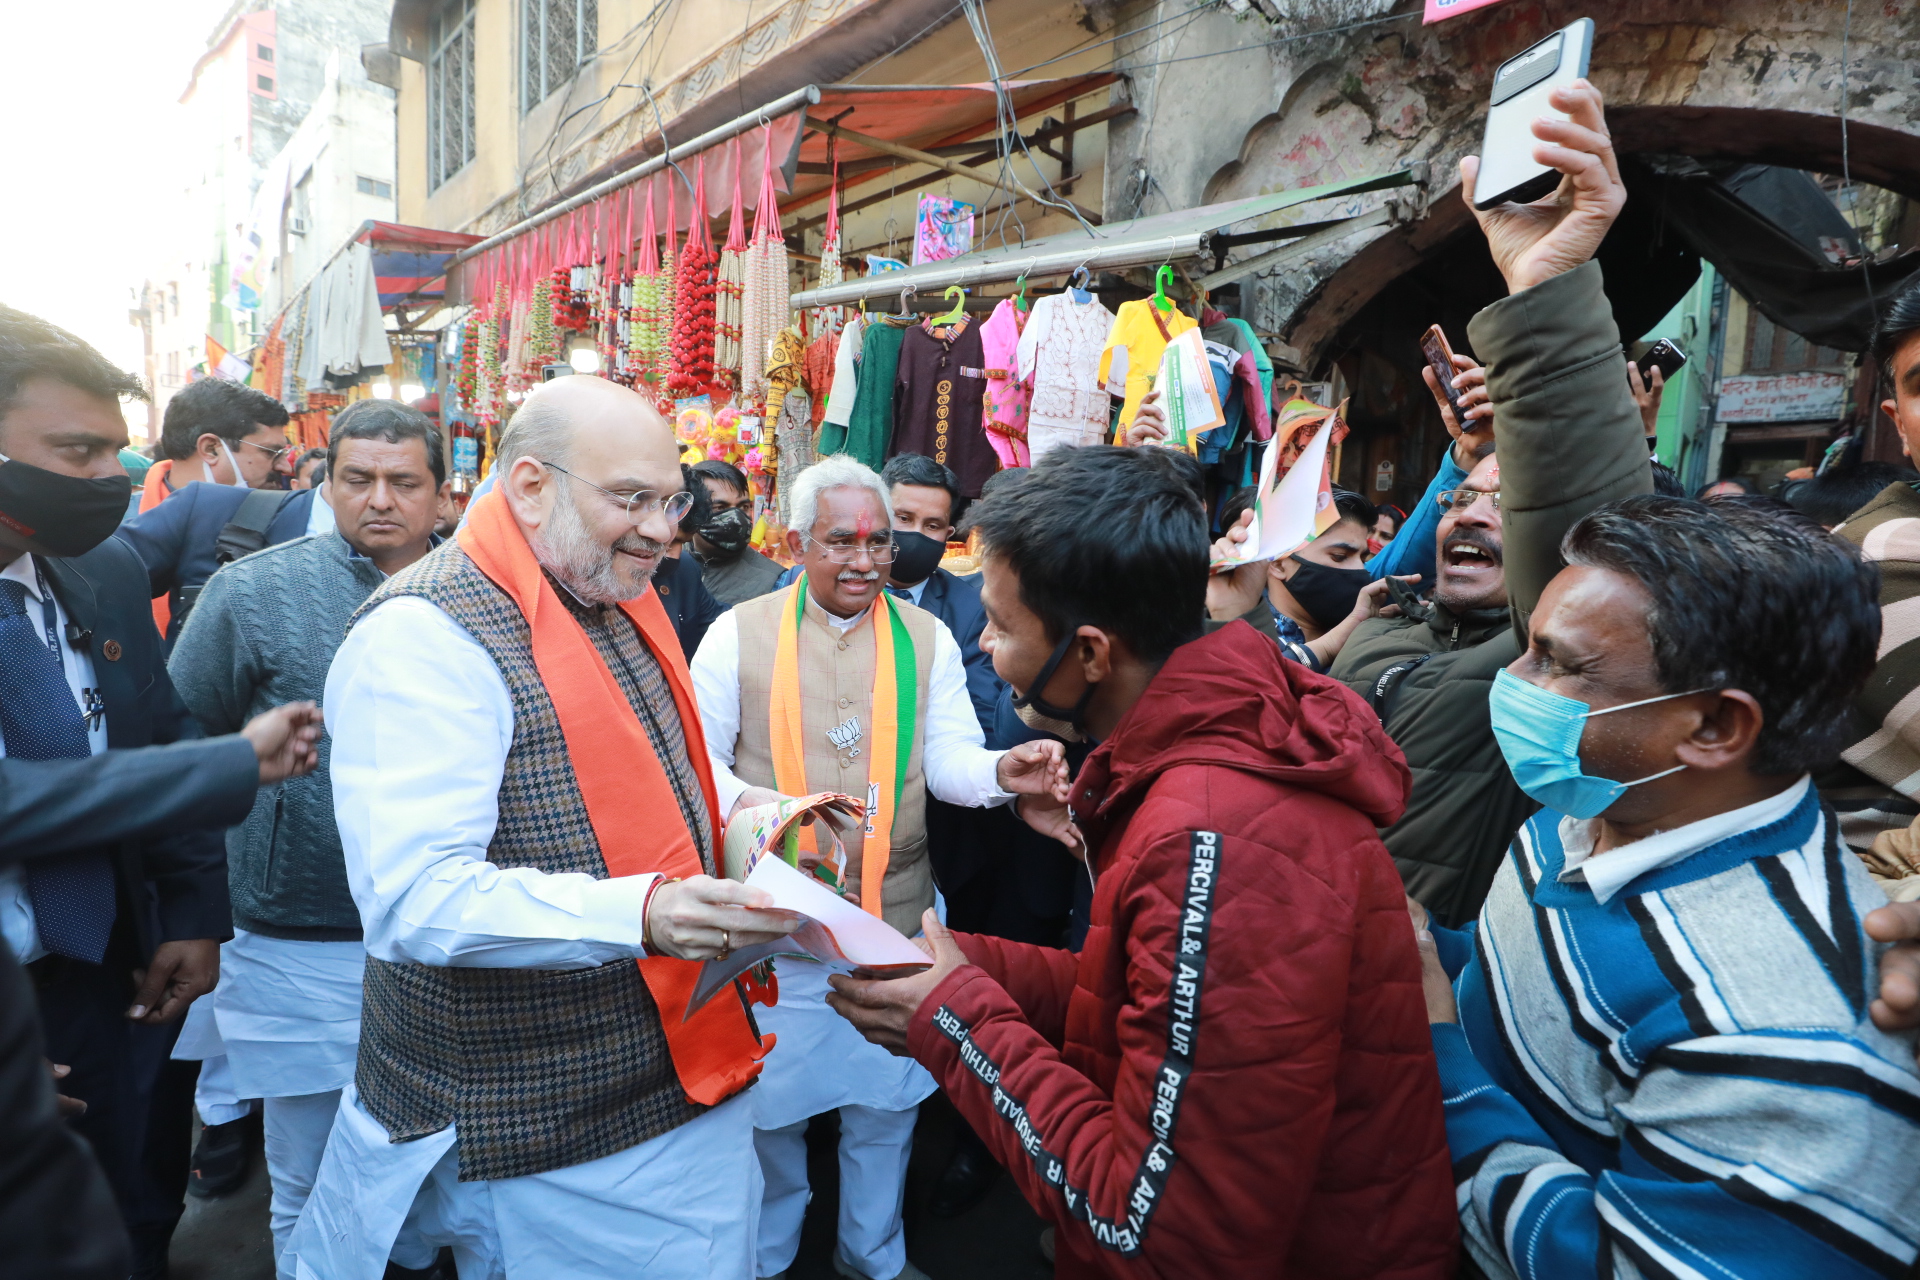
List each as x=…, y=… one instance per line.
x=225, y=495
x=58, y=1216
x=118, y=936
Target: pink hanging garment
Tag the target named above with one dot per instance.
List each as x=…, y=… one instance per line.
x=1005, y=406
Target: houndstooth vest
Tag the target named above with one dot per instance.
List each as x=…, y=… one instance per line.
x=538, y=1068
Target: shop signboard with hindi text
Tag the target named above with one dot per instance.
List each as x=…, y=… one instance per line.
x=1782, y=397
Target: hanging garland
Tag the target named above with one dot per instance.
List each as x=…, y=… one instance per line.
x=690, y=354
x=764, y=302
x=542, y=340
x=648, y=316
x=466, y=378
x=733, y=275
x=832, y=271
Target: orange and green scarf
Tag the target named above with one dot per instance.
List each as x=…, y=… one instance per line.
x=894, y=706
x=624, y=785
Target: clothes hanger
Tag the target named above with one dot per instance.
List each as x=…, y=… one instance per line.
x=1161, y=279
x=906, y=303
x=1081, y=294
x=959, y=311
x=1020, y=298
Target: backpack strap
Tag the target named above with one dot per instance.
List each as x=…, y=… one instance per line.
x=246, y=533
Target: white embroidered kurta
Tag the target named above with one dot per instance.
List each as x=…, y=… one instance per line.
x=1059, y=353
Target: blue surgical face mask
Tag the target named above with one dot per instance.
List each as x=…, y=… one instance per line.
x=1539, y=734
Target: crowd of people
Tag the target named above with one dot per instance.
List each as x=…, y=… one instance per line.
x=1527, y=883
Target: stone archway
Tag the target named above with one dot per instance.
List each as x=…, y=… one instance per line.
x=1753, y=80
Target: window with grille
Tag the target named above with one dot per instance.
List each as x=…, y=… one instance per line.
x=1775, y=348
x=556, y=37
x=449, y=91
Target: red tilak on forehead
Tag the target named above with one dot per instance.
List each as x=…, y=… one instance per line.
x=864, y=525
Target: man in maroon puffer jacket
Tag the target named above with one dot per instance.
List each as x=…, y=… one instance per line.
x=1234, y=1078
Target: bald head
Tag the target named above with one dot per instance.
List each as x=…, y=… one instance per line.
x=585, y=467
x=572, y=417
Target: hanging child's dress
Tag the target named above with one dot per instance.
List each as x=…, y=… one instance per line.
x=1138, y=339
x=1059, y=356
x=1005, y=405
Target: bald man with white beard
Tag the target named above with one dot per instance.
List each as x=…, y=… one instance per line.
x=529, y=822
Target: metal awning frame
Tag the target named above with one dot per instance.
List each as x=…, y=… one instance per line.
x=1163, y=238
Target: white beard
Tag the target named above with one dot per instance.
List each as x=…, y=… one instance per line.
x=566, y=549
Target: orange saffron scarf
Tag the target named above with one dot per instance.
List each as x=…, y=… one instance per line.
x=152, y=494
x=894, y=706
x=624, y=784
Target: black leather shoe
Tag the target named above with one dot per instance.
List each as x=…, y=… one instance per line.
x=441, y=1269
x=221, y=1158
x=965, y=1183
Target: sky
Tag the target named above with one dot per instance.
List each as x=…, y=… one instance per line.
x=88, y=154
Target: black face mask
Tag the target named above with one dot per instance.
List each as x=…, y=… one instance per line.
x=61, y=515
x=915, y=556
x=1327, y=594
x=1037, y=713
x=728, y=531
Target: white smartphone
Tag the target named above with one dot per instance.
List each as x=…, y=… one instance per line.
x=1508, y=170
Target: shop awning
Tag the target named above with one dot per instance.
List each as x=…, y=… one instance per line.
x=1163, y=237
x=918, y=117
x=410, y=263
x=927, y=117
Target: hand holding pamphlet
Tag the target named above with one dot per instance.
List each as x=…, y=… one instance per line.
x=1297, y=507
x=834, y=931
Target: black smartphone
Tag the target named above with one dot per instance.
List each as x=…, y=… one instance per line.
x=1433, y=345
x=1664, y=355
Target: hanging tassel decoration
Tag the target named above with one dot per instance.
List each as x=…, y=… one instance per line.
x=764, y=303
x=832, y=272
x=726, y=323
x=690, y=358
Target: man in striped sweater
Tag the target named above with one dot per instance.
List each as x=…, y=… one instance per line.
x=1655, y=1043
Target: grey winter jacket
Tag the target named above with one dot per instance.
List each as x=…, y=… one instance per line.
x=1569, y=438
x=264, y=633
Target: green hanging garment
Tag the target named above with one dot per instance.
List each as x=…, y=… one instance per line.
x=870, y=428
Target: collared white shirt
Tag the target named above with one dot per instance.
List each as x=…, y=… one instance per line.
x=17, y=926
x=959, y=769
x=421, y=723
x=1607, y=873
x=320, y=514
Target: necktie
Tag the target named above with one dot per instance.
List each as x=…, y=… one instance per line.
x=901, y=593
x=72, y=895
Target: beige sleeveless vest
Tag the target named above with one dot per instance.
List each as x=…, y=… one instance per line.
x=836, y=684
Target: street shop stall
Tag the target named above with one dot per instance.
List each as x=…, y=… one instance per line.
x=677, y=275
x=330, y=344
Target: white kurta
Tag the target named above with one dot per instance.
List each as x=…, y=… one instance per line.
x=421, y=722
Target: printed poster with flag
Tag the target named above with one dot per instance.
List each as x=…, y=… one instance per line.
x=1440, y=10
x=1192, y=400
x=1298, y=507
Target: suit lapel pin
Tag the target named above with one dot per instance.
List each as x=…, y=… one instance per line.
x=111, y=650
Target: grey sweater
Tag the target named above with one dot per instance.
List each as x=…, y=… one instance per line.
x=264, y=633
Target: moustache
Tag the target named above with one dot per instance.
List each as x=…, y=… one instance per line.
x=853, y=575
x=1476, y=538
x=639, y=544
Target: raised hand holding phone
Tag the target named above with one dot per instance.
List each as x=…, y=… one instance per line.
x=1535, y=242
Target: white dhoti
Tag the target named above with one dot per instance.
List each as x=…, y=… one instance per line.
x=818, y=1064
x=288, y=1013
x=683, y=1205
x=214, y=1095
